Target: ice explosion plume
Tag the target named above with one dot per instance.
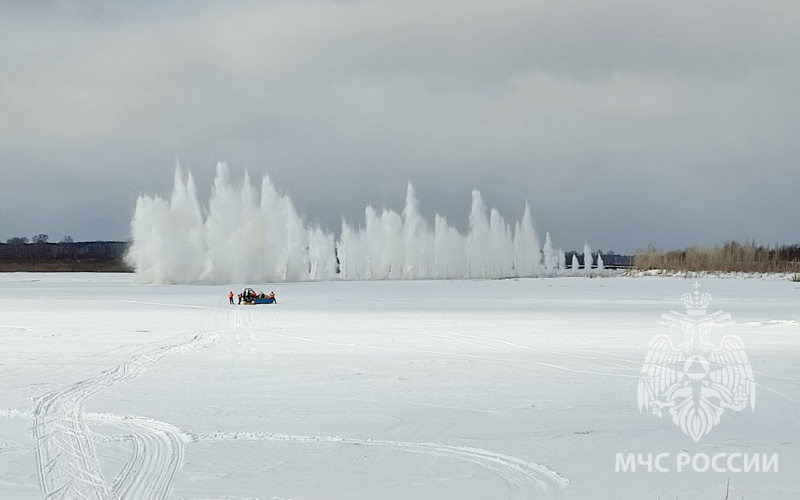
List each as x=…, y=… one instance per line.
x=248, y=235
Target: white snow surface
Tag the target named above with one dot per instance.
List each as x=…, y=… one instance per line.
x=501, y=389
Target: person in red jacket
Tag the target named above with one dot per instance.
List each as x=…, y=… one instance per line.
x=230, y=296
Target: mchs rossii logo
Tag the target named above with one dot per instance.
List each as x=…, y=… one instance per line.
x=695, y=382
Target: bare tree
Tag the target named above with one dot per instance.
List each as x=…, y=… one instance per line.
x=40, y=238
x=17, y=244
x=67, y=239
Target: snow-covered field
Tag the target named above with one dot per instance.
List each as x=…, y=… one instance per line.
x=372, y=390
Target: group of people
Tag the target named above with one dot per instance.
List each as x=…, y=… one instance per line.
x=251, y=295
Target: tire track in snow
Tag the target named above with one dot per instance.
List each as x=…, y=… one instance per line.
x=66, y=460
x=524, y=480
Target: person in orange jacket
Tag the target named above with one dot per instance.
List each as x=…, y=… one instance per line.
x=230, y=296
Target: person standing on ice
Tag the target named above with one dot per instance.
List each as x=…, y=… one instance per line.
x=240, y=299
x=230, y=296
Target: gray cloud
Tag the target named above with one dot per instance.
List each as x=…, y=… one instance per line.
x=622, y=123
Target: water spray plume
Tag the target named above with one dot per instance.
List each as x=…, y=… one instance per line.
x=250, y=236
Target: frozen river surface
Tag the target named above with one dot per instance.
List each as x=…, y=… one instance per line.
x=511, y=389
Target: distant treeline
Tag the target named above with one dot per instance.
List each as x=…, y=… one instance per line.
x=20, y=254
x=731, y=256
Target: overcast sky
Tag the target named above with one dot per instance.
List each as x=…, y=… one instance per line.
x=623, y=123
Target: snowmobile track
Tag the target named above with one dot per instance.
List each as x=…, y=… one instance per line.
x=66, y=460
x=158, y=451
x=524, y=480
